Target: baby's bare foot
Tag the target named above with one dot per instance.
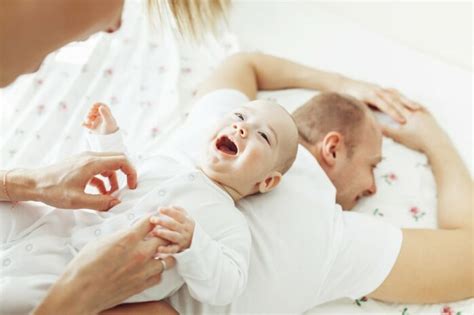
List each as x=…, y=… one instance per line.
x=100, y=120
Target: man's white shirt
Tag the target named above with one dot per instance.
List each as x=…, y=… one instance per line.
x=305, y=249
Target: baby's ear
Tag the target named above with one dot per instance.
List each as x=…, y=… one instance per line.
x=271, y=181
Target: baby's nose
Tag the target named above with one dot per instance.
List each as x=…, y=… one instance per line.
x=241, y=130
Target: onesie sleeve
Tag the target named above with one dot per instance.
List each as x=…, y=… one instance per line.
x=216, y=271
x=106, y=143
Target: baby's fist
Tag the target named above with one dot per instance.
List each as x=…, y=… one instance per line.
x=100, y=120
x=175, y=226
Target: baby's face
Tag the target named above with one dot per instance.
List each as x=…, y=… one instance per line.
x=247, y=145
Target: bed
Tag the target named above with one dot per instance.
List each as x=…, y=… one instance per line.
x=148, y=78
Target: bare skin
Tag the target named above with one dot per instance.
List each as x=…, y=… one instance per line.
x=24, y=45
x=127, y=268
x=448, y=251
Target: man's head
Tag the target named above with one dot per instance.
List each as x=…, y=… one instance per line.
x=343, y=136
x=251, y=148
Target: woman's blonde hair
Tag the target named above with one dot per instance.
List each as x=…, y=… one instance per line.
x=193, y=18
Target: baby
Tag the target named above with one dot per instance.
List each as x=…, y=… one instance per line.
x=205, y=171
x=245, y=153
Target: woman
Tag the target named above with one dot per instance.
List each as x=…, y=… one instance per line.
x=115, y=268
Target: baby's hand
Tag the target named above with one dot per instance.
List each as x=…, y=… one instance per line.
x=100, y=120
x=175, y=226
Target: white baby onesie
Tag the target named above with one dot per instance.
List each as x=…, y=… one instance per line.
x=214, y=268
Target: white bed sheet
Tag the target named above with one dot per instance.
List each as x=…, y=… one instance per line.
x=149, y=80
x=307, y=32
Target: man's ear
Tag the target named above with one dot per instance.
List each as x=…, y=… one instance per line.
x=271, y=181
x=332, y=147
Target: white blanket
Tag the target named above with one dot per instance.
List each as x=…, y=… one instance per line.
x=149, y=80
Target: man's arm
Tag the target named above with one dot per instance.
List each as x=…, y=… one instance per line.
x=435, y=265
x=251, y=72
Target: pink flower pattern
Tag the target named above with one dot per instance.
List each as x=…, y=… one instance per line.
x=361, y=300
x=377, y=212
x=40, y=109
x=390, y=178
x=447, y=310
x=63, y=106
x=108, y=72
x=154, y=132
x=186, y=70
x=161, y=69
x=416, y=213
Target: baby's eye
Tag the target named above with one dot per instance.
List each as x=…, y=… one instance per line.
x=241, y=117
x=264, y=136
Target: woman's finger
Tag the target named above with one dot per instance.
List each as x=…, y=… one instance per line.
x=169, y=249
x=112, y=176
x=113, y=162
x=99, y=184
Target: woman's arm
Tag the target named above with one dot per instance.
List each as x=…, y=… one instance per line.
x=62, y=185
x=435, y=266
x=107, y=272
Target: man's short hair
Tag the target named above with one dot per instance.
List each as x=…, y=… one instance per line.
x=328, y=112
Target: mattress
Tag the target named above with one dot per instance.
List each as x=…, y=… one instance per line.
x=149, y=77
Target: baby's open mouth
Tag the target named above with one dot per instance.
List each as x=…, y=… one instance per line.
x=226, y=145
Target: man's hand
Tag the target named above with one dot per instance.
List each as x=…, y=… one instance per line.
x=389, y=101
x=175, y=226
x=421, y=132
x=62, y=185
x=107, y=272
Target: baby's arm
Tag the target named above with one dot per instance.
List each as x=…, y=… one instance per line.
x=215, y=271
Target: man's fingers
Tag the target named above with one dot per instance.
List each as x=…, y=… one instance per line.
x=394, y=107
x=99, y=184
x=406, y=102
x=389, y=110
x=95, y=202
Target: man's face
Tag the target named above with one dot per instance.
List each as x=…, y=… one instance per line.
x=354, y=177
x=245, y=146
x=30, y=30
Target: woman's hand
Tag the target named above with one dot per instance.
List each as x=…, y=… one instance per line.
x=62, y=185
x=420, y=132
x=389, y=101
x=107, y=272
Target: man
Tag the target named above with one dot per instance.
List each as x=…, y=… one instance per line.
x=357, y=254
